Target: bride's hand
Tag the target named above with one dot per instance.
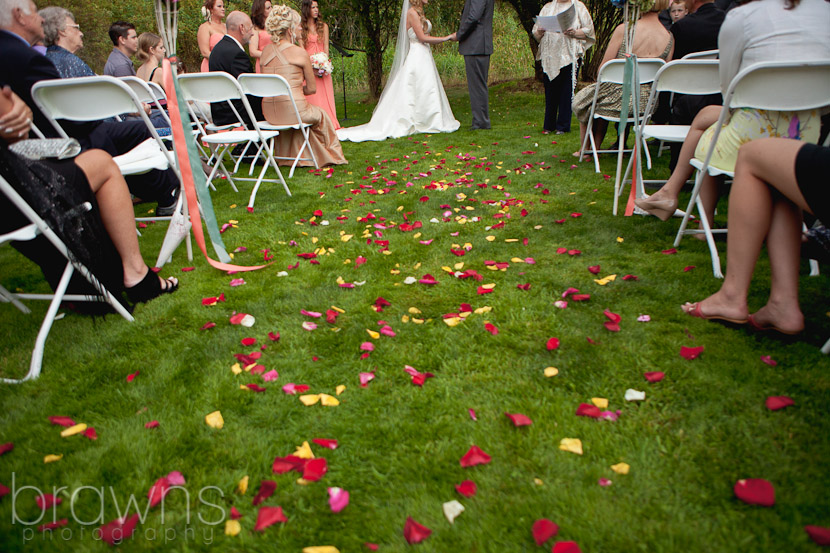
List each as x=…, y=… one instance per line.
x=452, y=37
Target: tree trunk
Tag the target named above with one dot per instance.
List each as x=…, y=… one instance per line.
x=374, y=67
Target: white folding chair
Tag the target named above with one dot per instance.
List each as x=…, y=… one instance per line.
x=613, y=71
x=704, y=55
x=269, y=86
x=694, y=77
x=772, y=86
x=218, y=86
x=149, y=93
x=29, y=232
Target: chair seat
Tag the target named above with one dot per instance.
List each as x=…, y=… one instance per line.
x=216, y=128
x=144, y=157
x=264, y=125
x=667, y=133
x=714, y=171
x=234, y=137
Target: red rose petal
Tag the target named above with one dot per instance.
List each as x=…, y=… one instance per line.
x=266, y=490
x=152, y=424
x=552, y=344
x=594, y=269
x=268, y=516
x=613, y=317
x=774, y=403
x=613, y=327
x=248, y=341
x=158, y=491
x=315, y=469
x=588, y=410
x=256, y=387
x=630, y=277
x=581, y=297
x=4, y=490
x=235, y=514
x=371, y=546
x=47, y=500
x=518, y=419
x=131, y=377
x=118, y=530
x=566, y=547
x=491, y=328
x=62, y=421
x=208, y=325
x=475, y=456
x=690, y=353
x=331, y=444
x=467, y=488
x=655, y=376
x=284, y=464
x=819, y=534
x=543, y=530
x=274, y=336
x=755, y=491
x=91, y=433
x=669, y=251
x=53, y=525
x=414, y=532
x=769, y=360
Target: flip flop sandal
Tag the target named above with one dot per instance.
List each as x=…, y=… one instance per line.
x=696, y=312
x=771, y=328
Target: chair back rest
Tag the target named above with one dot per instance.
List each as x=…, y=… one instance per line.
x=215, y=86
x=140, y=88
x=267, y=86
x=781, y=86
x=85, y=98
x=705, y=55
x=158, y=91
x=686, y=76
x=613, y=71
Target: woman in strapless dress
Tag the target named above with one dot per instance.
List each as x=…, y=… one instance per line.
x=211, y=31
x=282, y=57
x=260, y=39
x=315, y=39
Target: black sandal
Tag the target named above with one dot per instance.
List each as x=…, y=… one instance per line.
x=151, y=286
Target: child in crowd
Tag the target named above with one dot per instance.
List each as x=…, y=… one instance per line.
x=678, y=10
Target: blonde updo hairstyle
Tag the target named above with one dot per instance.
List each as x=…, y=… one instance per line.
x=282, y=20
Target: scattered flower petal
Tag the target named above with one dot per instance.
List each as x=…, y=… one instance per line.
x=474, y=456
x=774, y=403
x=414, y=532
x=543, y=530
x=467, y=488
x=452, y=509
x=755, y=491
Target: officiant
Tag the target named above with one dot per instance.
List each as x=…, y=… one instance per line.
x=565, y=31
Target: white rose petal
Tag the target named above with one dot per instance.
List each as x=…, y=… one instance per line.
x=452, y=509
x=633, y=395
x=282, y=273
x=247, y=321
x=410, y=280
x=434, y=220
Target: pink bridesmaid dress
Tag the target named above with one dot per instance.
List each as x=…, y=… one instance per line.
x=264, y=40
x=324, y=97
x=214, y=40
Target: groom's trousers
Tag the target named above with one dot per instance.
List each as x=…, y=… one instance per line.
x=478, y=67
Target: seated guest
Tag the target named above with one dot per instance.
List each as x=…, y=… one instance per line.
x=229, y=55
x=651, y=40
x=678, y=10
x=63, y=39
x=283, y=57
x=150, y=53
x=764, y=30
x=125, y=42
x=775, y=179
x=50, y=185
x=21, y=67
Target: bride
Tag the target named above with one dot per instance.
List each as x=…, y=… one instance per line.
x=414, y=100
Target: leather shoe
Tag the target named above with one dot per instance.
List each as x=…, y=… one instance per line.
x=167, y=211
x=662, y=209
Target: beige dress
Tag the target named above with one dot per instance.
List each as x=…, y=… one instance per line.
x=278, y=111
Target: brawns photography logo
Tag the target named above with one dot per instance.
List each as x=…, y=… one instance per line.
x=101, y=513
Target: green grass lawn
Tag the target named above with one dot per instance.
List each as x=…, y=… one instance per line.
x=698, y=431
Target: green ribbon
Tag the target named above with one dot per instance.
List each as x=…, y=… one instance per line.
x=627, y=89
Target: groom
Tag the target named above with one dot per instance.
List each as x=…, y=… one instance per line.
x=475, y=43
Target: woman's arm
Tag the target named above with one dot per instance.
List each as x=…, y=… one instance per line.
x=414, y=22
x=304, y=61
x=326, y=38
x=253, y=45
x=588, y=33
x=614, y=44
x=537, y=31
x=203, y=39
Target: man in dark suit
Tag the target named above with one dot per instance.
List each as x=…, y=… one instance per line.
x=229, y=55
x=21, y=67
x=475, y=43
x=697, y=32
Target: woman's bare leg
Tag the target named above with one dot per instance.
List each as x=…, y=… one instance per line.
x=116, y=210
x=757, y=211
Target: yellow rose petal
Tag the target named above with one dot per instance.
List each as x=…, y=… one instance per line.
x=458, y=266
x=405, y=319
x=538, y=482
x=620, y=239
x=232, y=527
x=489, y=286
x=338, y=309
x=414, y=311
x=329, y=401
x=303, y=482
x=417, y=321
x=304, y=451
x=310, y=399
x=483, y=309
x=215, y=420
x=52, y=458
x=451, y=321
x=490, y=238
x=242, y=486
x=600, y=402
x=346, y=237
x=72, y=430
x=574, y=445
x=517, y=260
x=621, y=468
x=551, y=371
x=236, y=369
x=373, y=334
x=340, y=389
x=321, y=549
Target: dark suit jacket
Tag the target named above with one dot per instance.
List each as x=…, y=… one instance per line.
x=475, y=32
x=227, y=56
x=697, y=31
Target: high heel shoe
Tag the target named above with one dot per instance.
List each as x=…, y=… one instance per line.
x=662, y=209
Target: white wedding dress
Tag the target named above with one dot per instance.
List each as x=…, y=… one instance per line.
x=413, y=101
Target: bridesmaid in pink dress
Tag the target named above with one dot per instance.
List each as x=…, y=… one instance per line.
x=211, y=31
x=316, y=39
x=259, y=13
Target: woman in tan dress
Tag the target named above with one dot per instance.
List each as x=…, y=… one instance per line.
x=282, y=57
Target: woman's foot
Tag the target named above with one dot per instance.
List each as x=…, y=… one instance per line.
x=718, y=308
x=784, y=320
x=661, y=208
x=150, y=287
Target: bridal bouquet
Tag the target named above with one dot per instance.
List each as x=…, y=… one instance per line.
x=321, y=64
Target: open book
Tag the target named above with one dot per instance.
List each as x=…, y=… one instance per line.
x=560, y=22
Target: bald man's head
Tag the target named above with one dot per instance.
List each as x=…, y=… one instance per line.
x=239, y=26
